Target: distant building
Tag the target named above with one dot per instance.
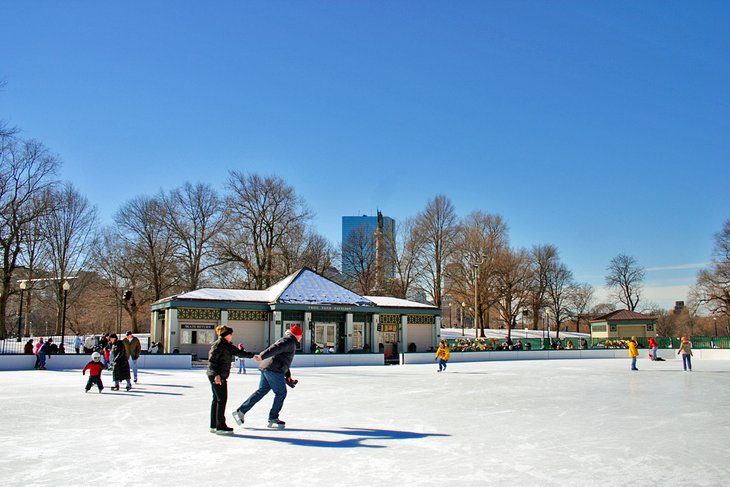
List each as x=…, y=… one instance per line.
x=360, y=235
x=333, y=318
x=678, y=307
x=623, y=324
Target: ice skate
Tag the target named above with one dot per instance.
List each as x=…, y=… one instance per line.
x=129, y=386
x=224, y=430
x=277, y=424
x=115, y=388
x=238, y=417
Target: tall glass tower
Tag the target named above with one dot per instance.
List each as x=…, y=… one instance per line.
x=358, y=236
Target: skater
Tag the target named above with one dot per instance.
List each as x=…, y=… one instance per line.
x=94, y=367
x=44, y=354
x=275, y=376
x=78, y=343
x=241, y=361
x=654, y=348
x=686, y=350
x=219, y=368
x=120, y=363
x=442, y=355
x=134, y=349
x=633, y=352
x=28, y=347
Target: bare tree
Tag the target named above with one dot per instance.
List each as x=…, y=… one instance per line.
x=579, y=303
x=194, y=217
x=262, y=212
x=405, y=249
x=148, y=240
x=512, y=275
x=69, y=231
x=543, y=257
x=480, y=239
x=120, y=266
x=559, y=288
x=358, y=261
x=712, y=289
x=437, y=223
x=27, y=170
x=625, y=276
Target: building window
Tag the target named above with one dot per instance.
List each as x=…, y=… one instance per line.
x=358, y=336
x=649, y=327
x=612, y=328
x=196, y=337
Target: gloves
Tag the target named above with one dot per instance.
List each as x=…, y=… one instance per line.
x=291, y=382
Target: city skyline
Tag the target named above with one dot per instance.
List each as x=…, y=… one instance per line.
x=598, y=128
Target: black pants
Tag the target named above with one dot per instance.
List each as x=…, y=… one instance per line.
x=94, y=379
x=218, y=406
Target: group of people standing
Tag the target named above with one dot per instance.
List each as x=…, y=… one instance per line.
x=275, y=376
x=685, y=350
x=123, y=356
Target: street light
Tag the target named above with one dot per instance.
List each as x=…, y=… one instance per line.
x=547, y=318
x=461, y=317
x=476, y=299
x=66, y=287
x=23, y=285
x=715, y=319
x=451, y=317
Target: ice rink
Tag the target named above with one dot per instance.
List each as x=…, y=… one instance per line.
x=557, y=422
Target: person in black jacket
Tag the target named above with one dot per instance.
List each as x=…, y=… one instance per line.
x=120, y=363
x=275, y=376
x=219, y=368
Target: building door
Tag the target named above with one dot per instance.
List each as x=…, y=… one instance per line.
x=325, y=336
x=390, y=346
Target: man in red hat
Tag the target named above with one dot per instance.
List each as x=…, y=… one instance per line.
x=275, y=376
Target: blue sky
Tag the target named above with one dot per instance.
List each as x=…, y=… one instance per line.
x=600, y=127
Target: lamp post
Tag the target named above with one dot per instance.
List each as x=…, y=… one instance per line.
x=547, y=318
x=66, y=287
x=461, y=317
x=23, y=285
x=476, y=299
x=451, y=317
x=715, y=319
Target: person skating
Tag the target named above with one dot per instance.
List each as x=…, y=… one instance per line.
x=442, y=355
x=44, y=353
x=219, y=369
x=134, y=349
x=633, y=352
x=120, y=363
x=95, y=368
x=275, y=375
x=686, y=350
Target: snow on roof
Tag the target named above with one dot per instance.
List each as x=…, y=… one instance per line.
x=388, y=302
x=210, y=294
x=308, y=287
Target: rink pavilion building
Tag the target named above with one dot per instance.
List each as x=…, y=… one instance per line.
x=335, y=319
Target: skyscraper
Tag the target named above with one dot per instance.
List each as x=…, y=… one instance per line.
x=359, y=244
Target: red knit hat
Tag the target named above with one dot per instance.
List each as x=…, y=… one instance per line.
x=296, y=331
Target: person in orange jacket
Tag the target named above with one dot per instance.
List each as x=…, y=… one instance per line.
x=442, y=355
x=633, y=352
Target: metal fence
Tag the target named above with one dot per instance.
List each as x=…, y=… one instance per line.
x=494, y=344
x=12, y=345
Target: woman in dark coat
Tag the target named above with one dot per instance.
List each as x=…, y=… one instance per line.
x=219, y=368
x=120, y=364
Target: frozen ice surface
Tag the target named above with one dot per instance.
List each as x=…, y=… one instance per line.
x=558, y=422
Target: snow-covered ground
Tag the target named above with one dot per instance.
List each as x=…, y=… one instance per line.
x=558, y=422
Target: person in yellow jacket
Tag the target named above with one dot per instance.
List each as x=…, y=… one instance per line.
x=633, y=352
x=442, y=355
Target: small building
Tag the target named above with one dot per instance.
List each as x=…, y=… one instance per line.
x=623, y=323
x=335, y=319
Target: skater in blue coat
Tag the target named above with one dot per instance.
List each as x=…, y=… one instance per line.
x=275, y=376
